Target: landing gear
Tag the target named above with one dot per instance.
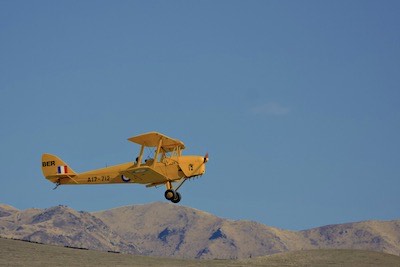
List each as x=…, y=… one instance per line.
x=170, y=194
x=173, y=196
x=177, y=198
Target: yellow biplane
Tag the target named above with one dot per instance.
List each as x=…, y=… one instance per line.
x=165, y=167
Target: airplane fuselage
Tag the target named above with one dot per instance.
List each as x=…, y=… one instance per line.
x=149, y=172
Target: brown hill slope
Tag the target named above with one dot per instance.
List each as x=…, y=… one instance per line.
x=381, y=236
x=6, y=210
x=326, y=257
x=168, y=230
x=162, y=229
x=18, y=253
x=63, y=226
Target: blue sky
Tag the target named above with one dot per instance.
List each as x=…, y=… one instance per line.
x=297, y=103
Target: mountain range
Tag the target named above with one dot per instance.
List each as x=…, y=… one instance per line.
x=170, y=230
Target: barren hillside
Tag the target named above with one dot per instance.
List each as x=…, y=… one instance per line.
x=63, y=226
x=168, y=230
x=18, y=253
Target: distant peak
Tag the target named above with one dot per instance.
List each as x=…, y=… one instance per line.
x=8, y=207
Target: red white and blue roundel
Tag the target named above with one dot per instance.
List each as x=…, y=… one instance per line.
x=62, y=169
x=125, y=179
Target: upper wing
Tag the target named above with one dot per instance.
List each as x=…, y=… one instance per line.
x=151, y=139
x=144, y=175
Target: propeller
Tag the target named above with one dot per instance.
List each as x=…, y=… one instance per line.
x=206, y=157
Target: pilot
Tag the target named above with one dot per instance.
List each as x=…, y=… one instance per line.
x=148, y=161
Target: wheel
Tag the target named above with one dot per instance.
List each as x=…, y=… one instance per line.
x=170, y=194
x=177, y=198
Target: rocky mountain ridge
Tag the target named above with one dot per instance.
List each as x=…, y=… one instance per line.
x=164, y=229
x=63, y=226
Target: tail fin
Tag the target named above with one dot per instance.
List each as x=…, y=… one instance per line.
x=54, y=168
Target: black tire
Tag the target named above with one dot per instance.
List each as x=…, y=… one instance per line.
x=177, y=198
x=170, y=194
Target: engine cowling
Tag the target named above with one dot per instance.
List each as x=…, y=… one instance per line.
x=192, y=165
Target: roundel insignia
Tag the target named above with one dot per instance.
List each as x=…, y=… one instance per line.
x=125, y=179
